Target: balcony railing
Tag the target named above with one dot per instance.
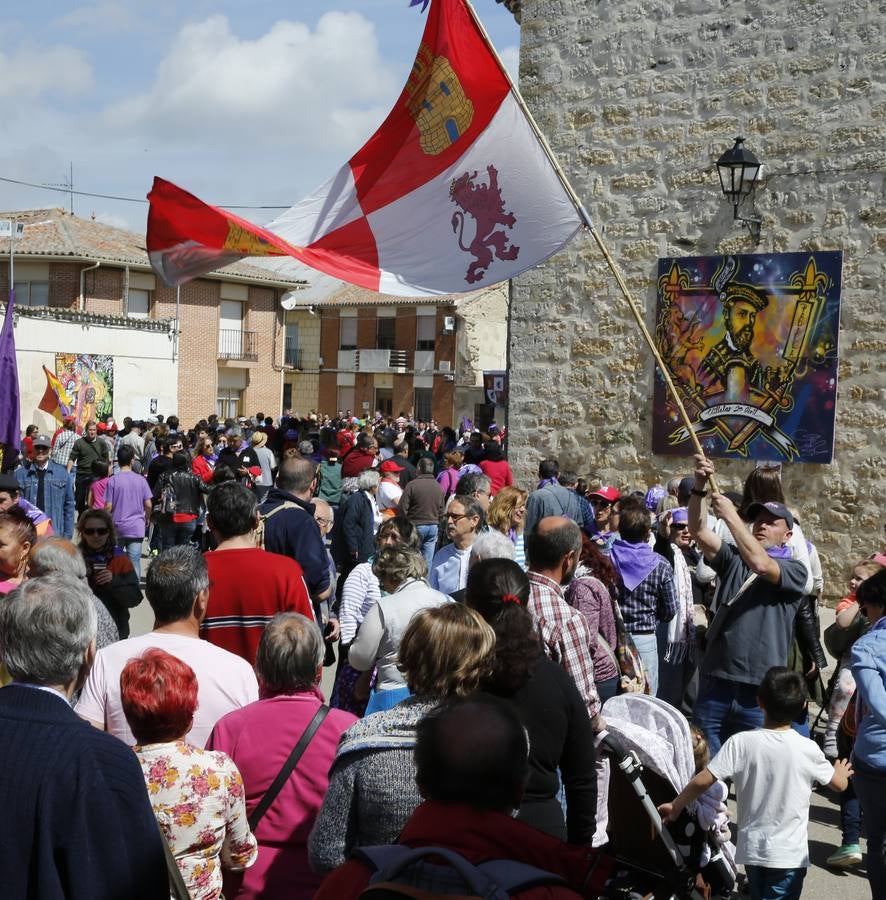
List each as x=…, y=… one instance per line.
x=292, y=355
x=236, y=344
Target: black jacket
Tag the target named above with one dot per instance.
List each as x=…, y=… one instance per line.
x=356, y=527
x=806, y=631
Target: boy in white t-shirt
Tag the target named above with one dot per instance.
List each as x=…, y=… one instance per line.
x=773, y=769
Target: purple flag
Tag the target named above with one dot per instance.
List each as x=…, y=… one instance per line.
x=10, y=433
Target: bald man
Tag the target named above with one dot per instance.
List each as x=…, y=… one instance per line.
x=552, y=551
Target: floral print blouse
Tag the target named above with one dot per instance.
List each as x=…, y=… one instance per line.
x=198, y=799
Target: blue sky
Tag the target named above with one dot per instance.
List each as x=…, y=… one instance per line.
x=240, y=103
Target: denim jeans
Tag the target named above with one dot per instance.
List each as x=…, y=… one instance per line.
x=173, y=534
x=428, y=535
x=724, y=708
x=133, y=548
x=870, y=786
x=647, y=647
x=775, y=884
x=850, y=815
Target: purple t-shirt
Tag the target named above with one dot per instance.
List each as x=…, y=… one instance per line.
x=127, y=493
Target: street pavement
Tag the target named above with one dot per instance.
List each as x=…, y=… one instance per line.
x=824, y=815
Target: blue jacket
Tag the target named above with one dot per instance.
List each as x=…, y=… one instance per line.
x=868, y=664
x=58, y=494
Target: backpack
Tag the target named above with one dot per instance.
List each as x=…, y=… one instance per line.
x=263, y=518
x=400, y=871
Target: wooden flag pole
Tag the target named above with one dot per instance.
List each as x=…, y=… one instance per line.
x=586, y=219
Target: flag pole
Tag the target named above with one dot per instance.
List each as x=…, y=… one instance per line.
x=586, y=219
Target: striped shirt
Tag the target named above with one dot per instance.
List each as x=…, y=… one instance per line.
x=247, y=588
x=62, y=446
x=652, y=601
x=565, y=635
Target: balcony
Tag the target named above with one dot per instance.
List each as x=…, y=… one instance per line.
x=381, y=361
x=236, y=344
x=292, y=355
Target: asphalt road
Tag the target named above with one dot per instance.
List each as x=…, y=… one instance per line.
x=824, y=815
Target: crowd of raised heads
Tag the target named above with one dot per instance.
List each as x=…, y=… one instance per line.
x=369, y=639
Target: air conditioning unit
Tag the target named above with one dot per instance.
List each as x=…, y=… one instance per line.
x=445, y=365
x=449, y=377
x=448, y=324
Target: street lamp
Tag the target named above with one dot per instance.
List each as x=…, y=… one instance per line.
x=739, y=169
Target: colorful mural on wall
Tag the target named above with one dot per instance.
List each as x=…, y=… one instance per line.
x=750, y=342
x=89, y=384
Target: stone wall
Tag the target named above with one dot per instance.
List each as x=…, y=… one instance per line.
x=638, y=99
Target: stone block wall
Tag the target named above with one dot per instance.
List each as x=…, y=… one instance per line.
x=638, y=99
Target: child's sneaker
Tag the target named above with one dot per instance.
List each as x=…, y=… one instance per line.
x=847, y=855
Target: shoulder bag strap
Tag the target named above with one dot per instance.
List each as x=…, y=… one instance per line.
x=177, y=887
x=288, y=767
x=720, y=615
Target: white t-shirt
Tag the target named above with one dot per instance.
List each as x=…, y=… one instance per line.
x=773, y=772
x=389, y=495
x=225, y=682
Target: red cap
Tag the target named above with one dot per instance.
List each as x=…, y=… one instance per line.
x=390, y=466
x=607, y=492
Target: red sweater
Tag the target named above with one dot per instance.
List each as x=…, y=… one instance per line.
x=247, y=587
x=481, y=835
x=498, y=472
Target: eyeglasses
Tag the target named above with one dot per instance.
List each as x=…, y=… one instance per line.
x=93, y=531
x=320, y=521
x=457, y=516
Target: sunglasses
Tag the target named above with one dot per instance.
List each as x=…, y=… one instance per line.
x=602, y=504
x=679, y=527
x=93, y=531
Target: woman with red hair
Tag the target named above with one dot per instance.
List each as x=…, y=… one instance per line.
x=197, y=795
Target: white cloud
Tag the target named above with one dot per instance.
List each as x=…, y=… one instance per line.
x=510, y=56
x=32, y=71
x=308, y=88
x=107, y=218
x=98, y=18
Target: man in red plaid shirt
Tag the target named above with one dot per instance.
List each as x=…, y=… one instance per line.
x=552, y=551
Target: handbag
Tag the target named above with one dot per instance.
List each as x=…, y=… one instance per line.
x=838, y=640
x=288, y=768
x=633, y=678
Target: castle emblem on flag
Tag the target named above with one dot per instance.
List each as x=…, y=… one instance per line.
x=437, y=102
x=242, y=241
x=485, y=204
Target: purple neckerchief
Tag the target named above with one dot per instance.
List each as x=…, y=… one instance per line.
x=633, y=561
x=782, y=552
x=546, y=481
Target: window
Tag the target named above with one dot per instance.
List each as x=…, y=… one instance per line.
x=230, y=329
x=423, y=404
x=228, y=403
x=139, y=304
x=287, y=397
x=385, y=334
x=32, y=293
x=291, y=351
x=347, y=333
x=425, y=332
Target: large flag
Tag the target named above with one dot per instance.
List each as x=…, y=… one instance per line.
x=55, y=399
x=454, y=191
x=10, y=424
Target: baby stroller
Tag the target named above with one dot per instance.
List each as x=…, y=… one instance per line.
x=650, y=750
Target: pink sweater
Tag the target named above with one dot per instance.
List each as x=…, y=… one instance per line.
x=259, y=738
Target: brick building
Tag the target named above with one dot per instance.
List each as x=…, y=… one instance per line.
x=214, y=345
x=364, y=351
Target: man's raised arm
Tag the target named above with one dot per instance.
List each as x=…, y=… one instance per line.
x=708, y=542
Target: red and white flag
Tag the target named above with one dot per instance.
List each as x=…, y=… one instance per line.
x=453, y=192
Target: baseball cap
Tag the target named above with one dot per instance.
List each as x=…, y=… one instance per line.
x=152, y=420
x=607, y=492
x=779, y=510
x=9, y=484
x=390, y=466
x=41, y=440
x=686, y=486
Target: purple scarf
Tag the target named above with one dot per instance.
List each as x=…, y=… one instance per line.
x=783, y=552
x=546, y=481
x=633, y=561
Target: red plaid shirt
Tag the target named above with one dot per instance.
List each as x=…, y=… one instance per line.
x=565, y=634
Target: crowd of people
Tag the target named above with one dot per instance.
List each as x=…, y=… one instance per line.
x=475, y=630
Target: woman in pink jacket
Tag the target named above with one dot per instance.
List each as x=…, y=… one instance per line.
x=259, y=738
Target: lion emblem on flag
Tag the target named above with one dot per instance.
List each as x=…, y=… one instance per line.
x=485, y=204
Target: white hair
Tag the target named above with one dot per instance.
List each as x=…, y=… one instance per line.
x=491, y=544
